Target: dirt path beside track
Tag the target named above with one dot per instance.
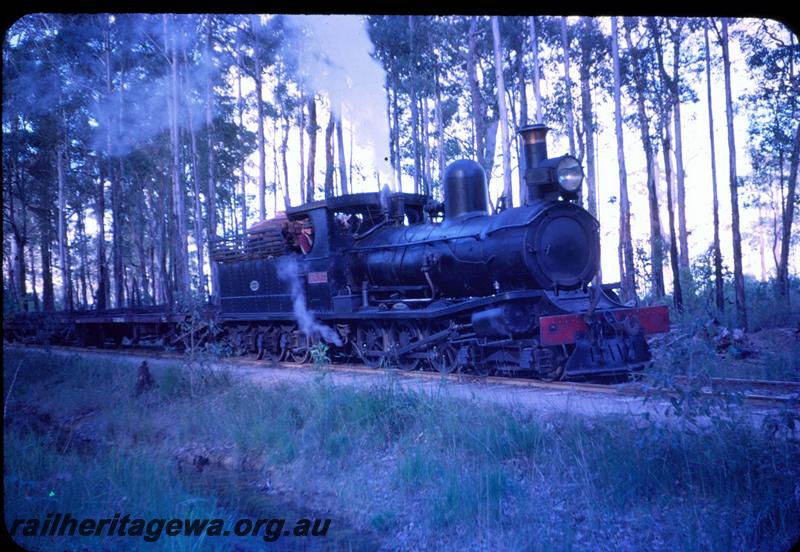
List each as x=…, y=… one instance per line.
x=546, y=401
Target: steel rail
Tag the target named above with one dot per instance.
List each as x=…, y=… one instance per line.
x=791, y=398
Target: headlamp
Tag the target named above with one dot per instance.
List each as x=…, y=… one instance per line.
x=569, y=174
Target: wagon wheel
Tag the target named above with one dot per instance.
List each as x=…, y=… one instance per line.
x=66, y=336
x=119, y=340
x=402, y=335
x=370, y=343
x=443, y=358
x=236, y=340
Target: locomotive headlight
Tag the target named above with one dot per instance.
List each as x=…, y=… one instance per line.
x=569, y=174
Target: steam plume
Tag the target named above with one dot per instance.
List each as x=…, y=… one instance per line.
x=336, y=60
x=288, y=271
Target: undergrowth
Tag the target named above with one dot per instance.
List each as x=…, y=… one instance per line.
x=421, y=470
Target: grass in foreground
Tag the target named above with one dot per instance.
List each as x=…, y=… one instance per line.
x=419, y=472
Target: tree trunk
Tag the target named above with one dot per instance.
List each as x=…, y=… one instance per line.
x=522, y=84
x=101, y=302
x=10, y=282
x=145, y=296
x=169, y=254
x=762, y=244
x=350, y=158
x=588, y=126
x=397, y=153
x=389, y=120
x=664, y=105
x=788, y=217
x=198, y=207
x=415, y=140
x=677, y=292
x=536, y=71
x=117, y=234
x=439, y=124
x=329, y=155
x=682, y=231
x=568, y=86
x=776, y=231
x=36, y=304
x=426, y=148
x=116, y=245
x=276, y=184
x=301, y=126
x=80, y=231
x=501, y=102
x=312, y=147
x=718, y=289
x=738, y=275
x=287, y=202
x=242, y=175
x=166, y=289
x=475, y=94
x=414, y=108
x=181, y=244
x=17, y=223
x=628, y=271
x=18, y=256
x=48, y=295
x=211, y=198
x=18, y=248
x=262, y=154
x=523, y=116
x=788, y=204
x=340, y=149
x=656, y=258
x=66, y=283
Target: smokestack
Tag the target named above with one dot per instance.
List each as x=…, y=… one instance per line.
x=534, y=152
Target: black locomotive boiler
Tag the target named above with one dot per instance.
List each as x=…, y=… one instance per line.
x=509, y=291
x=400, y=280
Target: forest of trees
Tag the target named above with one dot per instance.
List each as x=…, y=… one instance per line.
x=130, y=141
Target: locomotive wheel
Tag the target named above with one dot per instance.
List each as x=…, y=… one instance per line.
x=284, y=340
x=403, y=334
x=265, y=344
x=299, y=349
x=558, y=371
x=444, y=358
x=556, y=375
x=370, y=341
x=483, y=369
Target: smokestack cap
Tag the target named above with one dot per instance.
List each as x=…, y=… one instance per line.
x=534, y=134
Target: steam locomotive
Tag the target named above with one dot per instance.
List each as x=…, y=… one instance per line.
x=400, y=280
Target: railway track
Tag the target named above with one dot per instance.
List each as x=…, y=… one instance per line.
x=756, y=393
